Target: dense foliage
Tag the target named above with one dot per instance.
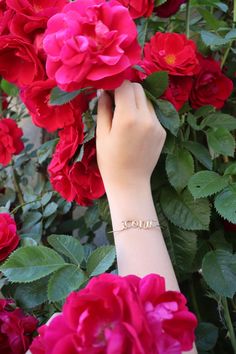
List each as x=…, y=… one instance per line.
x=183, y=53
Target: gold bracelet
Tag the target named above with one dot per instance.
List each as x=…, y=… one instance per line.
x=138, y=224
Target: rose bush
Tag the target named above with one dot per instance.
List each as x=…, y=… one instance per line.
x=183, y=53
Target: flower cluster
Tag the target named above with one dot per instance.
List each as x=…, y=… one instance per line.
x=16, y=329
x=122, y=315
x=94, y=44
x=10, y=140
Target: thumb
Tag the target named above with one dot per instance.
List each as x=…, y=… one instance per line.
x=105, y=113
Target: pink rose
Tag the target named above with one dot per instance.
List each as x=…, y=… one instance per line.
x=16, y=329
x=91, y=43
x=10, y=140
x=139, y=8
x=120, y=315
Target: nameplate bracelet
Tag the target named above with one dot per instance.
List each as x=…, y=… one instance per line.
x=138, y=224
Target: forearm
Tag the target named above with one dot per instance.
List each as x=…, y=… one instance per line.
x=139, y=252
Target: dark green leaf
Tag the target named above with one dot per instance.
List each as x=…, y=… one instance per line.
x=179, y=168
x=64, y=281
x=185, y=212
x=168, y=116
x=59, y=97
x=206, y=336
x=68, y=246
x=212, y=39
x=220, y=120
x=200, y=153
x=31, y=263
x=206, y=183
x=221, y=141
x=101, y=260
x=219, y=271
x=50, y=209
x=9, y=89
x=157, y=83
x=231, y=170
x=225, y=203
x=32, y=294
x=46, y=150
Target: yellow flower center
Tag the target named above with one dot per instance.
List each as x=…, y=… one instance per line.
x=170, y=59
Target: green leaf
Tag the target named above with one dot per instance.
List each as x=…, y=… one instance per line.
x=31, y=263
x=59, y=97
x=205, y=183
x=225, y=203
x=212, y=39
x=193, y=122
x=68, y=246
x=219, y=271
x=157, y=83
x=200, y=153
x=231, y=170
x=9, y=89
x=206, y=336
x=168, y=116
x=65, y=280
x=46, y=198
x=50, y=209
x=221, y=141
x=204, y=111
x=32, y=294
x=46, y=150
x=30, y=219
x=220, y=120
x=101, y=260
x=179, y=168
x=185, y=212
x=184, y=249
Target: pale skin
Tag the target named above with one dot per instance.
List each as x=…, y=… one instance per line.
x=129, y=142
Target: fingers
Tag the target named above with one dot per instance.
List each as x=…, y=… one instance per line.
x=125, y=98
x=140, y=97
x=105, y=113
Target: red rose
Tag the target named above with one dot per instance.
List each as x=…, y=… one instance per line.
x=169, y=8
x=36, y=98
x=10, y=140
x=120, y=315
x=178, y=91
x=139, y=8
x=30, y=17
x=229, y=227
x=92, y=43
x=85, y=177
x=211, y=86
x=172, y=52
x=19, y=63
x=8, y=236
x=16, y=329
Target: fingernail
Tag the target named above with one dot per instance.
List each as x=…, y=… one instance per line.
x=99, y=92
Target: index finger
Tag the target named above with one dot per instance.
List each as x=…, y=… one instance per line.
x=125, y=98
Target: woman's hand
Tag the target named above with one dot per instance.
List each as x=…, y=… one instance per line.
x=129, y=139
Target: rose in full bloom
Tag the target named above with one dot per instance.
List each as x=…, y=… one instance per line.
x=172, y=52
x=9, y=238
x=80, y=181
x=86, y=178
x=211, y=86
x=29, y=17
x=19, y=63
x=178, y=91
x=120, y=315
x=10, y=140
x=16, y=329
x=36, y=98
x=169, y=8
x=91, y=43
x=139, y=8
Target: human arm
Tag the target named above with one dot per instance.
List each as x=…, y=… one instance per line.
x=129, y=143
